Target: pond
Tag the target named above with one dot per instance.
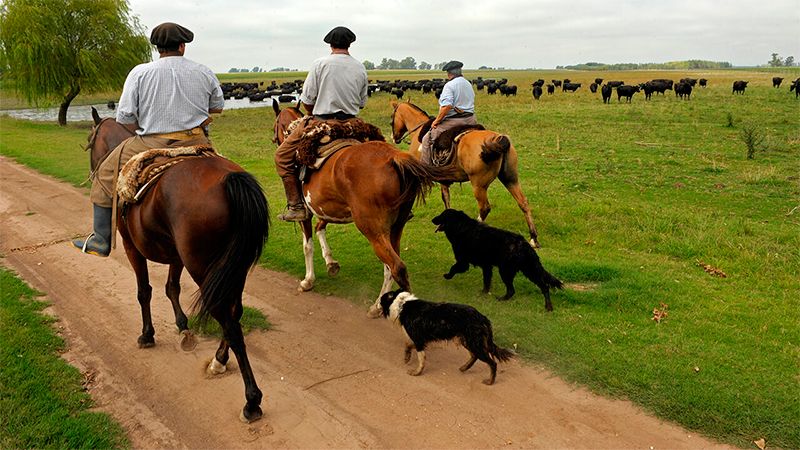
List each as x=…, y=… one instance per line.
x=84, y=112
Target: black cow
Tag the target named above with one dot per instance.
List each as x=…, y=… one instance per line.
x=539, y=82
x=537, y=92
x=690, y=81
x=684, y=90
x=702, y=82
x=551, y=88
x=614, y=84
x=491, y=88
x=795, y=86
x=556, y=83
x=776, y=82
x=598, y=81
x=398, y=93
x=739, y=86
x=572, y=87
x=593, y=87
x=606, y=92
x=508, y=89
x=627, y=92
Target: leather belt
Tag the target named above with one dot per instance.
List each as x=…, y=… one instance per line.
x=337, y=115
x=181, y=135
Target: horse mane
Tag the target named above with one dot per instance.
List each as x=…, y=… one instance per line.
x=418, y=108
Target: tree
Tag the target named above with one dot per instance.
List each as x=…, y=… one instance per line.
x=256, y=69
x=408, y=63
x=369, y=65
x=424, y=66
x=56, y=49
x=776, y=61
x=789, y=62
x=233, y=70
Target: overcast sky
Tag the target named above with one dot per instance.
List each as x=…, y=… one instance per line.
x=509, y=33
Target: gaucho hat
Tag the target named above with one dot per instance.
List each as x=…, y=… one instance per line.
x=340, y=37
x=169, y=33
x=453, y=65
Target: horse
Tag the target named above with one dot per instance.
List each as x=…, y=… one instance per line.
x=206, y=215
x=375, y=186
x=480, y=158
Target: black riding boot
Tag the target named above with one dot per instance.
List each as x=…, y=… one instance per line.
x=295, y=208
x=99, y=242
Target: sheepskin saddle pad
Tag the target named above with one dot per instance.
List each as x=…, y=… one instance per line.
x=144, y=168
x=321, y=138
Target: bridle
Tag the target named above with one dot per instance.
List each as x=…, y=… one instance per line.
x=408, y=132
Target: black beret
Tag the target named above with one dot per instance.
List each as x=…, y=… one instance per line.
x=453, y=65
x=169, y=33
x=340, y=37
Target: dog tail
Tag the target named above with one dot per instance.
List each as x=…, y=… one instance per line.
x=501, y=354
x=494, y=148
x=532, y=268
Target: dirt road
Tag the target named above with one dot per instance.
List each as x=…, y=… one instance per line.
x=163, y=399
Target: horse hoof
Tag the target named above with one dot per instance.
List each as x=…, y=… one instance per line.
x=188, y=342
x=535, y=244
x=252, y=416
x=146, y=342
x=374, y=312
x=216, y=368
x=305, y=286
x=333, y=269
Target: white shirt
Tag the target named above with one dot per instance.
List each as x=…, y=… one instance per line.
x=169, y=94
x=458, y=94
x=336, y=83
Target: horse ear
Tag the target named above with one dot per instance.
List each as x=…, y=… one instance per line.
x=95, y=116
x=276, y=107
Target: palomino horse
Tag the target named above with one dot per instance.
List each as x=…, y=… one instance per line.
x=481, y=157
x=373, y=185
x=209, y=216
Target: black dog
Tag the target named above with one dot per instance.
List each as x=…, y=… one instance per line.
x=479, y=244
x=425, y=322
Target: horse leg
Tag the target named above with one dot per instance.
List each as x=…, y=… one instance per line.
x=394, y=268
x=331, y=264
x=516, y=191
x=308, y=251
x=218, y=364
x=446, y=196
x=144, y=292
x=482, y=196
x=173, y=288
x=232, y=332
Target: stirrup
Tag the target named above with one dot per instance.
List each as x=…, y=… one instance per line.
x=84, y=248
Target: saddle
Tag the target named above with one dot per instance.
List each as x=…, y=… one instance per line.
x=141, y=171
x=321, y=139
x=444, y=148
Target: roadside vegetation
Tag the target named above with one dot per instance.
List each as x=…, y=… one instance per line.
x=43, y=403
x=678, y=242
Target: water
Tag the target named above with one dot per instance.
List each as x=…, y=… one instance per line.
x=84, y=112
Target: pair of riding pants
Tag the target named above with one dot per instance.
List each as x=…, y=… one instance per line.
x=286, y=153
x=105, y=177
x=426, y=143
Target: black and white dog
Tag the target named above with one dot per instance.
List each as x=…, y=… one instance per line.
x=484, y=246
x=424, y=322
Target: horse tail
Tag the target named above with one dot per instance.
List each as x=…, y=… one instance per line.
x=494, y=148
x=248, y=232
x=416, y=178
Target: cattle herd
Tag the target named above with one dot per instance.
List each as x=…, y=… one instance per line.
x=288, y=91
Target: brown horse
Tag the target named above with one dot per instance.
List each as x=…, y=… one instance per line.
x=209, y=216
x=373, y=185
x=481, y=156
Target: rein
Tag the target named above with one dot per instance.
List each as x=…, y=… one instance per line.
x=93, y=141
x=408, y=132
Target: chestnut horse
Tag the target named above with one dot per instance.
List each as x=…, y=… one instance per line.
x=209, y=216
x=481, y=156
x=373, y=185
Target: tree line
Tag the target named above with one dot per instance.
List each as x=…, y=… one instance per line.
x=406, y=63
x=683, y=65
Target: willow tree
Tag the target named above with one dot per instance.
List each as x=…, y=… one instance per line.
x=52, y=50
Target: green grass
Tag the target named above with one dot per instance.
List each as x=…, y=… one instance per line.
x=252, y=319
x=628, y=200
x=42, y=402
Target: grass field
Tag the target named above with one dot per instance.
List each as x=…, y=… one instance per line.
x=631, y=201
x=42, y=402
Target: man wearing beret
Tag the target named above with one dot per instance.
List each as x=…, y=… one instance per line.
x=456, y=108
x=164, y=103
x=334, y=91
